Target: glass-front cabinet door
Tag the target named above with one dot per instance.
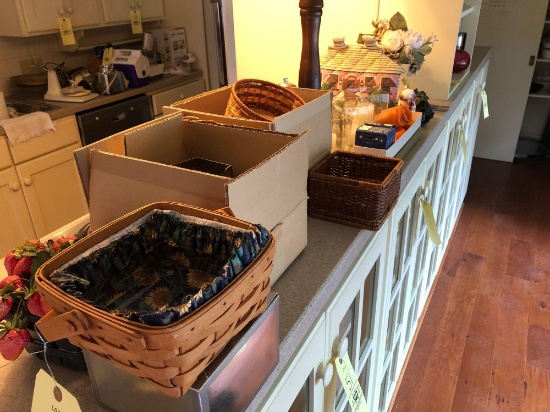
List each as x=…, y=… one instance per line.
x=353, y=325
x=303, y=386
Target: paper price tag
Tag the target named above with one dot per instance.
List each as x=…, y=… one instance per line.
x=349, y=381
x=135, y=21
x=464, y=145
x=107, y=56
x=66, y=31
x=49, y=396
x=433, y=233
x=485, y=105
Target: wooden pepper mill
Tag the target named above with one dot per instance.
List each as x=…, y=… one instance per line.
x=310, y=68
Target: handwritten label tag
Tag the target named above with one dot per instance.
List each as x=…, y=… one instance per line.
x=433, y=233
x=349, y=381
x=135, y=21
x=464, y=145
x=49, y=396
x=485, y=105
x=66, y=31
x=107, y=56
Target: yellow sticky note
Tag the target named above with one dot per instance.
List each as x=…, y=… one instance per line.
x=49, y=396
x=66, y=31
x=464, y=145
x=433, y=233
x=356, y=397
x=107, y=56
x=135, y=21
x=485, y=105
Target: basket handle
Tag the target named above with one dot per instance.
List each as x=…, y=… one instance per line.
x=54, y=326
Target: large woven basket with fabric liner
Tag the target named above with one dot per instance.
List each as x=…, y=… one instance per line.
x=354, y=189
x=260, y=100
x=171, y=356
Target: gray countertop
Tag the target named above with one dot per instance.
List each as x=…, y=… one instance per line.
x=304, y=289
x=66, y=109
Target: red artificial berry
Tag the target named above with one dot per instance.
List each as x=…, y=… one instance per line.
x=23, y=267
x=10, y=261
x=13, y=280
x=35, y=305
x=5, y=307
x=13, y=343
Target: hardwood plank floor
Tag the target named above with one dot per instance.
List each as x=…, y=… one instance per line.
x=484, y=341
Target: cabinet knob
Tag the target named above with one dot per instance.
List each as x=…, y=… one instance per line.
x=132, y=3
x=70, y=10
x=61, y=11
x=342, y=348
x=28, y=181
x=138, y=2
x=325, y=373
x=15, y=186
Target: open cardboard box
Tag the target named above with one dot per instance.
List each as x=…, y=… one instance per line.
x=315, y=115
x=134, y=168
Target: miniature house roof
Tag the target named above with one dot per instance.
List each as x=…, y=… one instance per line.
x=359, y=58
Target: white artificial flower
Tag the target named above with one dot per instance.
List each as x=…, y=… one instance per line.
x=392, y=41
x=414, y=39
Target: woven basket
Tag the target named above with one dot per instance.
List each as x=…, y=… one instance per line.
x=354, y=189
x=260, y=100
x=172, y=356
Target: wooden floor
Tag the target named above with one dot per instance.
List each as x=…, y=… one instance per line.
x=484, y=343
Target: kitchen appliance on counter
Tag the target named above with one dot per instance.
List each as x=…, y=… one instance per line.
x=67, y=94
x=134, y=65
x=155, y=57
x=228, y=384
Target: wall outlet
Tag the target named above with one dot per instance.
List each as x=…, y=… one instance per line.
x=31, y=66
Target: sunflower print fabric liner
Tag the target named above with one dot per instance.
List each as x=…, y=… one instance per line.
x=160, y=268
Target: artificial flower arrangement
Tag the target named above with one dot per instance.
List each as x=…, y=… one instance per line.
x=18, y=295
x=402, y=44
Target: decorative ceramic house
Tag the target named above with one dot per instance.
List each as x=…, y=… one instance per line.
x=360, y=68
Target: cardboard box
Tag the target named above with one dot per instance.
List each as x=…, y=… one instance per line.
x=134, y=168
x=315, y=115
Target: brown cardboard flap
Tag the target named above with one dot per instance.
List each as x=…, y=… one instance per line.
x=242, y=148
x=120, y=184
x=164, y=145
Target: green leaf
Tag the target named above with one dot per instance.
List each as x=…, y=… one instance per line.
x=403, y=59
x=418, y=57
x=398, y=22
x=39, y=260
x=425, y=49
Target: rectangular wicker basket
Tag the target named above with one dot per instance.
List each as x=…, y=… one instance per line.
x=354, y=189
x=171, y=356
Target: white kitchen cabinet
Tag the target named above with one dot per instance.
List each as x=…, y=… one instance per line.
x=40, y=185
x=352, y=324
x=34, y=17
x=118, y=11
x=166, y=98
x=303, y=385
x=15, y=219
x=52, y=189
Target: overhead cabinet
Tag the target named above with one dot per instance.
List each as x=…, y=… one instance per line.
x=23, y=18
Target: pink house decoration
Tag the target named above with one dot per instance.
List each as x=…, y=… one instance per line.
x=359, y=68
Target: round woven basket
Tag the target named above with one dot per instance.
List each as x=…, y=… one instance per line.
x=260, y=100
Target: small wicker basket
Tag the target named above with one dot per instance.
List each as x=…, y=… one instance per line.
x=260, y=100
x=354, y=189
x=172, y=356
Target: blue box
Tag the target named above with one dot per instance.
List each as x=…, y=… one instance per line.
x=375, y=135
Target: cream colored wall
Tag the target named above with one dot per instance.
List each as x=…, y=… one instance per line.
x=268, y=34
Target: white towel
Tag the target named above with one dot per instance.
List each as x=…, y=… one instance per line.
x=24, y=128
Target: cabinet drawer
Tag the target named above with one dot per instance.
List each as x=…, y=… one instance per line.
x=5, y=158
x=66, y=133
x=176, y=94
x=118, y=11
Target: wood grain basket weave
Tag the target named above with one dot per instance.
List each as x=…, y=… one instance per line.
x=354, y=189
x=260, y=100
x=171, y=357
